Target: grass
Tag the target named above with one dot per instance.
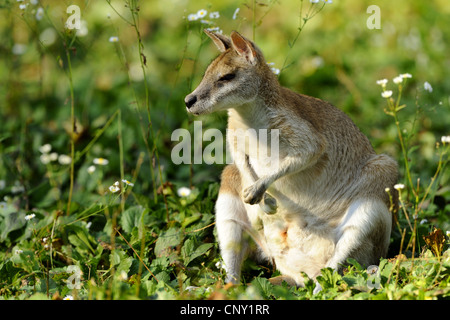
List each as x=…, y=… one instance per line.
x=105, y=100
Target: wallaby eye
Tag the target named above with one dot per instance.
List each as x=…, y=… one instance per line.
x=227, y=77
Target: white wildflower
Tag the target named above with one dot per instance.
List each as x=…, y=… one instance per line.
x=236, y=13
x=448, y=233
x=45, y=158
x=64, y=159
x=214, y=15
x=427, y=86
x=445, y=139
x=423, y=221
x=30, y=216
x=53, y=156
x=328, y=1
x=127, y=182
x=91, y=169
x=101, y=161
x=184, y=192
x=386, y=94
x=23, y=6
x=399, y=186
x=18, y=251
x=68, y=297
x=114, y=188
x=113, y=39
x=382, y=82
x=387, y=189
x=123, y=276
x=406, y=75
x=398, y=80
x=202, y=13
x=3, y=205
x=17, y=188
x=192, y=17
x=46, y=148
x=314, y=1
x=39, y=13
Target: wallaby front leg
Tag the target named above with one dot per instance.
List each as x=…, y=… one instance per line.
x=254, y=193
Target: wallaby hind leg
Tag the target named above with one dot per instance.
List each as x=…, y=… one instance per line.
x=231, y=221
x=363, y=234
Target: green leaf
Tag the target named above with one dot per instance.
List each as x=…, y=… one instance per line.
x=12, y=221
x=189, y=252
x=263, y=286
x=167, y=241
x=132, y=217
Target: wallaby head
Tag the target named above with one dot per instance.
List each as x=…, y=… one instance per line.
x=233, y=79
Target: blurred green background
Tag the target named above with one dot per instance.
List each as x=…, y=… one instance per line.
x=336, y=58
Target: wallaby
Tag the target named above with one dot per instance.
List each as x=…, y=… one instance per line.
x=326, y=197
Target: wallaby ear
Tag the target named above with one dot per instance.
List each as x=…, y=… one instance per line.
x=243, y=47
x=221, y=42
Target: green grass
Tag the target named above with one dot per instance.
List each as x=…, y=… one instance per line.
x=63, y=232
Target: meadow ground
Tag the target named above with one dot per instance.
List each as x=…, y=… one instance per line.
x=92, y=203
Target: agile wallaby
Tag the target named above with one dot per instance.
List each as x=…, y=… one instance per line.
x=326, y=197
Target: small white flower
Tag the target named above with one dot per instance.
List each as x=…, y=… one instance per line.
x=18, y=251
x=46, y=148
x=236, y=13
x=387, y=189
x=68, y=297
x=45, y=158
x=113, y=39
x=23, y=6
x=445, y=139
x=399, y=186
x=64, y=159
x=3, y=205
x=386, y=94
x=427, y=86
x=192, y=17
x=214, y=15
x=53, y=156
x=314, y=1
x=91, y=169
x=202, y=13
x=17, y=188
x=101, y=161
x=423, y=221
x=116, y=183
x=382, y=82
x=30, y=216
x=398, y=80
x=448, y=233
x=215, y=30
x=184, y=192
x=123, y=276
x=39, y=13
x=220, y=265
x=328, y=1
x=114, y=189
x=127, y=182
x=88, y=225
x=406, y=75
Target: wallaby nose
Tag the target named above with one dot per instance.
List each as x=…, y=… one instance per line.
x=190, y=101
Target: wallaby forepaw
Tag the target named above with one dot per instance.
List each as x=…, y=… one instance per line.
x=253, y=194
